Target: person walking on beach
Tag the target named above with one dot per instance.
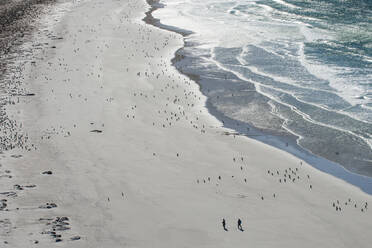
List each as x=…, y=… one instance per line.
x=224, y=225
x=240, y=225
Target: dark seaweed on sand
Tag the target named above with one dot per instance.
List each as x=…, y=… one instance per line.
x=16, y=22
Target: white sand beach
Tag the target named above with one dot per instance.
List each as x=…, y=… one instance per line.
x=136, y=160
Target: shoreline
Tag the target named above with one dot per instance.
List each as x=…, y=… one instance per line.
x=125, y=153
x=285, y=143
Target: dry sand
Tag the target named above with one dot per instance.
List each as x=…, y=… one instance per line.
x=135, y=159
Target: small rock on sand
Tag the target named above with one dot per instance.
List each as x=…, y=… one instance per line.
x=96, y=131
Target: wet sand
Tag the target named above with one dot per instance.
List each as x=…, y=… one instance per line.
x=111, y=147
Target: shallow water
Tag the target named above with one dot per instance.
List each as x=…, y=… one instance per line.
x=296, y=69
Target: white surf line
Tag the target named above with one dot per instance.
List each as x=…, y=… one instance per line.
x=303, y=61
x=289, y=19
x=293, y=15
x=305, y=116
x=281, y=2
x=285, y=120
x=279, y=79
x=301, y=137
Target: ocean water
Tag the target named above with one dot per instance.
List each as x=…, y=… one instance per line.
x=296, y=69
